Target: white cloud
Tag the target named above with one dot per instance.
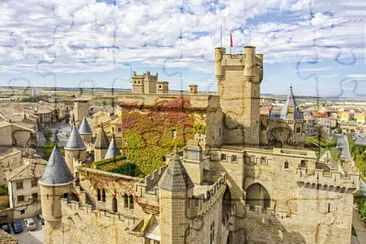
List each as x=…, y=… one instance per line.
x=87, y=36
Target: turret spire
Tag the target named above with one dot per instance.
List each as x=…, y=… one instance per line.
x=113, y=150
x=75, y=141
x=57, y=172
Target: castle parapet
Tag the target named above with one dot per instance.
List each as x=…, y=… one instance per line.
x=74, y=207
x=328, y=181
x=202, y=203
x=147, y=189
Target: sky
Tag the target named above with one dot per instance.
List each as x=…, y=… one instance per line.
x=318, y=46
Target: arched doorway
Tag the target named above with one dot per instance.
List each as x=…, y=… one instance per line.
x=226, y=203
x=257, y=195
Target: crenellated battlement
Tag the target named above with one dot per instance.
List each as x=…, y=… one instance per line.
x=202, y=203
x=239, y=60
x=328, y=181
x=150, y=181
x=75, y=208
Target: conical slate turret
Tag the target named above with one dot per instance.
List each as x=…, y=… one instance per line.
x=175, y=178
x=291, y=107
x=57, y=172
x=102, y=141
x=84, y=128
x=75, y=141
x=113, y=150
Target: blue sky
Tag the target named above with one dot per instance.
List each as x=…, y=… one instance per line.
x=317, y=45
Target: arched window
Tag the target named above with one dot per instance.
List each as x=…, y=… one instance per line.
x=103, y=195
x=114, y=204
x=125, y=202
x=286, y=165
x=98, y=195
x=131, y=202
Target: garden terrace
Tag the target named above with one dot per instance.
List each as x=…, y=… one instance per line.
x=119, y=165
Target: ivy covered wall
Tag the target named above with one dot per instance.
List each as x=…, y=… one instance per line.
x=151, y=132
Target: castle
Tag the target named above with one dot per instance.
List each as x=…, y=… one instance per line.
x=251, y=182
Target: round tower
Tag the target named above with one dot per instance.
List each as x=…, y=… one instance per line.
x=85, y=131
x=74, y=149
x=100, y=145
x=56, y=183
x=176, y=187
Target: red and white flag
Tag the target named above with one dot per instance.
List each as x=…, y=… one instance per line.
x=231, y=39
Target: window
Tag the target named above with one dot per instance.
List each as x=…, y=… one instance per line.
x=114, y=204
x=234, y=158
x=131, y=202
x=212, y=232
x=34, y=182
x=303, y=163
x=103, y=195
x=22, y=211
x=66, y=195
x=286, y=165
x=19, y=185
x=35, y=197
x=98, y=195
x=119, y=129
x=223, y=157
x=328, y=207
x=263, y=160
x=125, y=201
x=20, y=198
x=174, y=133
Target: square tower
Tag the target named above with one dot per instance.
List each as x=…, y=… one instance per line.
x=239, y=77
x=162, y=87
x=145, y=83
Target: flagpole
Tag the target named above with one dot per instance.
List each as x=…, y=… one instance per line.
x=221, y=35
x=231, y=41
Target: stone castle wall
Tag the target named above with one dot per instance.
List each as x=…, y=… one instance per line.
x=85, y=225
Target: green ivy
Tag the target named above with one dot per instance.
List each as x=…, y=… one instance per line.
x=358, y=153
x=3, y=190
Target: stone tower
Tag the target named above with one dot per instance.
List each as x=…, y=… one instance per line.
x=56, y=182
x=85, y=131
x=113, y=150
x=176, y=187
x=193, y=161
x=81, y=109
x=192, y=89
x=239, y=77
x=162, y=87
x=145, y=83
x=74, y=149
x=100, y=145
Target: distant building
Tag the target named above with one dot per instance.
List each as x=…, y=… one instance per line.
x=9, y=160
x=360, y=118
x=24, y=193
x=347, y=116
x=14, y=135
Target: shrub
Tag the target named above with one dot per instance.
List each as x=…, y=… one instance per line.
x=3, y=190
